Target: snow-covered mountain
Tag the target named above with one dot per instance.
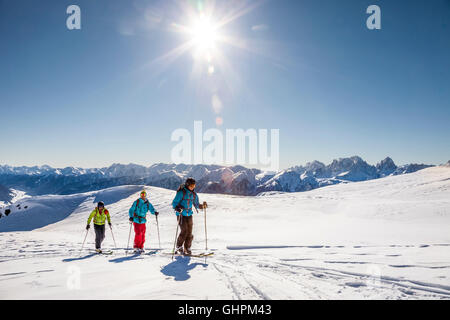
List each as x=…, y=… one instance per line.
x=236, y=180
x=386, y=167
x=409, y=168
x=316, y=174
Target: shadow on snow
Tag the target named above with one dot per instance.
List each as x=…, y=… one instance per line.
x=180, y=267
x=79, y=258
x=133, y=256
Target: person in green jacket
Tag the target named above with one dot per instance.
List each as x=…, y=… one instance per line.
x=100, y=214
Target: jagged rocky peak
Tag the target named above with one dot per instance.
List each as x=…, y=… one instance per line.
x=316, y=169
x=386, y=167
x=386, y=162
x=346, y=162
x=314, y=165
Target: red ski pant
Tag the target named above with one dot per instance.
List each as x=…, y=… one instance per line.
x=139, y=235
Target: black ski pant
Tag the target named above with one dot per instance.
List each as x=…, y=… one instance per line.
x=185, y=238
x=99, y=235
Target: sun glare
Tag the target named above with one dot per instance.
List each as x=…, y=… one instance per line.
x=204, y=34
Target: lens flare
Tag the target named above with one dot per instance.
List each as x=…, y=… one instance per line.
x=219, y=121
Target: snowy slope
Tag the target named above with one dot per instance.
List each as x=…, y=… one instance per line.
x=30, y=213
x=380, y=239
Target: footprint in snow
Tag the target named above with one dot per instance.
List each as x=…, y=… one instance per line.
x=11, y=274
x=44, y=271
x=355, y=284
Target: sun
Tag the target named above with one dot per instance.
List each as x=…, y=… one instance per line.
x=204, y=34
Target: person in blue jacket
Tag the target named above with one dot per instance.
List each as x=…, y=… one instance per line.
x=184, y=200
x=138, y=214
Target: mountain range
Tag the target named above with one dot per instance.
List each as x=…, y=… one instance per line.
x=236, y=180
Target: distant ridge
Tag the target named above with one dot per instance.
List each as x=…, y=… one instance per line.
x=236, y=180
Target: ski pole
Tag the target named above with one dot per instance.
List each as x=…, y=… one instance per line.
x=157, y=225
x=175, y=241
x=206, y=233
x=129, y=234
x=87, y=231
x=112, y=233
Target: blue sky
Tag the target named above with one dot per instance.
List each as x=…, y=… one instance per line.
x=312, y=69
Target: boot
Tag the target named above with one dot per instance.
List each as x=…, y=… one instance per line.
x=187, y=244
x=179, y=250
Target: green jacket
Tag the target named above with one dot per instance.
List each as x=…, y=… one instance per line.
x=99, y=218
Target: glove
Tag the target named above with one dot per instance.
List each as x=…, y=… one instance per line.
x=200, y=206
x=156, y=213
x=178, y=208
x=131, y=219
x=88, y=226
x=110, y=224
x=205, y=205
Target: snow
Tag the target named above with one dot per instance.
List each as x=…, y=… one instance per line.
x=15, y=195
x=44, y=210
x=379, y=239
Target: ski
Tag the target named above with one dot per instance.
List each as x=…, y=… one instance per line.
x=107, y=252
x=147, y=252
x=199, y=255
x=206, y=254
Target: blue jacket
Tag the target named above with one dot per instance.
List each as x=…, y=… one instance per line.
x=186, y=202
x=139, y=209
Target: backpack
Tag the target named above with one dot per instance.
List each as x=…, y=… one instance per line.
x=135, y=209
x=182, y=188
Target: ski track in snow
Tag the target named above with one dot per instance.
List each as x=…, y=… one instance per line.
x=324, y=244
x=301, y=280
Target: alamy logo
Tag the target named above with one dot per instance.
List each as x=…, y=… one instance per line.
x=237, y=146
x=374, y=20
x=74, y=20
